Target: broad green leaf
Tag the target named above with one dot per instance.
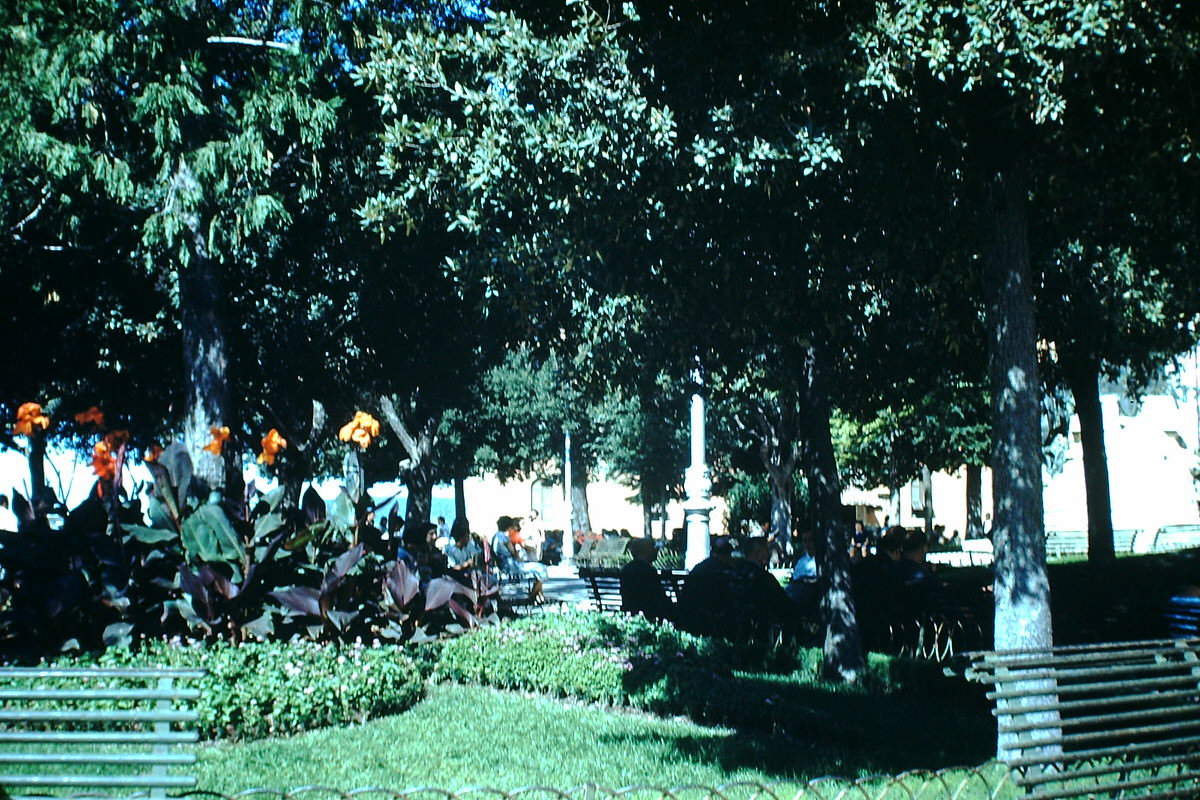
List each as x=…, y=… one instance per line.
x=151, y=535
x=208, y=537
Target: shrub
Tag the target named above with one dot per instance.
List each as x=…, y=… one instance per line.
x=597, y=657
x=259, y=689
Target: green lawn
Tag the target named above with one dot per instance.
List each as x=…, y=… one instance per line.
x=470, y=736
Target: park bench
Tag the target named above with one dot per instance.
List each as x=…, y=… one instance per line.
x=1102, y=720
x=604, y=586
x=102, y=730
x=1182, y=616
x=1176, y=537
x=604, y=553
x=1075, y=543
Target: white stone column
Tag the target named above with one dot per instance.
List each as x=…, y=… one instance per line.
x=697, y=487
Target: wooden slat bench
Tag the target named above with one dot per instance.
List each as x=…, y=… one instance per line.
x=103, y=730
x=1182, y=616
x=607, y=553
x=1105, y=720
x=604, y=586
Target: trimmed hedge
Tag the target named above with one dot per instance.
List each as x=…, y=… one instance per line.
x=258, y=689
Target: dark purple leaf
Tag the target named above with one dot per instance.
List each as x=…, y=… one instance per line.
x=440, y=590
x=301, y=599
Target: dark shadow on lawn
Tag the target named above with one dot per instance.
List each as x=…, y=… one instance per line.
x=793, y=730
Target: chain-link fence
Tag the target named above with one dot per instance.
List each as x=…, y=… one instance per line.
x=991, y=781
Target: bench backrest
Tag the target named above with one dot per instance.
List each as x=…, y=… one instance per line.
x=604, y=586
x=1094, y=719
x=100, y=729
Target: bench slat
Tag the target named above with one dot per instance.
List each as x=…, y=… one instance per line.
x=1165, y=745
x=1101, y=770
x=1095, y=736
x=98, y=694
x=97, y=758
x=1099, y=789
x=84, y=716
x=1100, y=703
x=98, y=737
x=123, y=781
x=98, y=672
x=1105, y=686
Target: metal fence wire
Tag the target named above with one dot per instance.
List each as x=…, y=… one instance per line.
x=990, y=781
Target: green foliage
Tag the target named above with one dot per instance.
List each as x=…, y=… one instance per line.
x=201, y=570
x=627, y=661
x=255, y=690
x=611, y=659
x=1019, y=47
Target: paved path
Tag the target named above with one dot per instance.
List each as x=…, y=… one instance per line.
x=564, y=586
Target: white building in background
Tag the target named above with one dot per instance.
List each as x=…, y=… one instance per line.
x=1153, y=449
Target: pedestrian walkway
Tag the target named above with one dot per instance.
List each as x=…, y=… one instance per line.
x=564, y=586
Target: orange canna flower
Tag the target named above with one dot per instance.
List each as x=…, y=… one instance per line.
x=30, y=416
x=272, y=443
x=104, y=463
x=219, y=435
x=360, y=430
x=152, y=454
x=93, y=415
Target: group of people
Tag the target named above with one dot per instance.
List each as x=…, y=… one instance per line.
x=734, y=597
x=435, y=549
x=737, y=597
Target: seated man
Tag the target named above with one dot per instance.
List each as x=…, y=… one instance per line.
x=641, y=590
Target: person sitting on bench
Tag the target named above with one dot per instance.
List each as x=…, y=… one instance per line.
x=641, y=590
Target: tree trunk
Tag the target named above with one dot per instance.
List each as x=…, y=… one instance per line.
x=777, y=450
x=1022, y=589
x=974, y=528
x=37, y=467
x=419, y=482
x=927, y=501
x=417, y=469
x=1083, y=376
x=460, y=499
x=581, y=518
x=783, y=487
x=843, y=656
x=647, y=514
x=205, y=357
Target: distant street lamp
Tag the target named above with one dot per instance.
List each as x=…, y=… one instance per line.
x=697, y=487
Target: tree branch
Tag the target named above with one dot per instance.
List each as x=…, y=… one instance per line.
x=290, y=47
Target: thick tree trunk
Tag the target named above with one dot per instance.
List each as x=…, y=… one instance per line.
x=647, y=514
x=843, y=656
x=974, y=528
x=581, y=517
x=205, y=356
x=1083, y=376
x=419, y=482
x=783, y=486
x=1022, y=589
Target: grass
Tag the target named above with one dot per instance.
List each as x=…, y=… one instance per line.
x=472, y=736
